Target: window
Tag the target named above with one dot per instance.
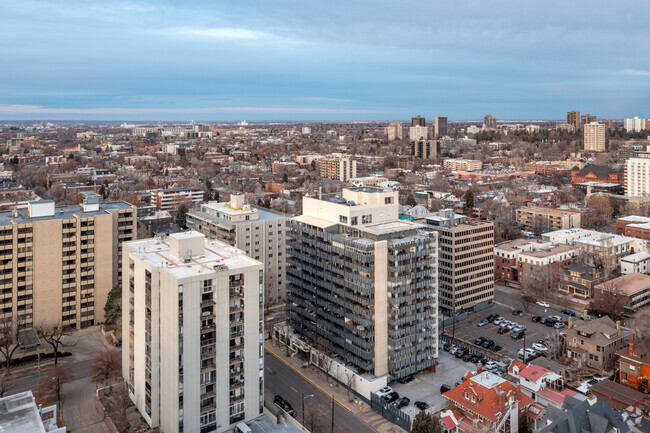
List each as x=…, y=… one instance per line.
x=354, y=221
x=388, y=200
x=343, y=219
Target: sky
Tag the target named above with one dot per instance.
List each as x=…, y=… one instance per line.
x=323, y=60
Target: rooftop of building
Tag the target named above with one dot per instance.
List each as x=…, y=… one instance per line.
x=517, y=244
x=216, y=256
x=569, y=233
x=600, y=331
x=627, y=284
x=605, y=239
x=546, y=210
x=548, y=251
x=635, y=218
x=60, y=212
x=637, y=257
x=19, y=414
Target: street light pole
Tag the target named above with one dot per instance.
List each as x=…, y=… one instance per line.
x=332, y=414
x=304, y=397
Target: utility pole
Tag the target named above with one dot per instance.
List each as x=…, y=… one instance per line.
x=332, y=415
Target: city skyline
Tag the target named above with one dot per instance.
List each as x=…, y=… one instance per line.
x=157, y=60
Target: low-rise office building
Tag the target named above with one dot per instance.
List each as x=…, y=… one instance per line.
x=548, y=219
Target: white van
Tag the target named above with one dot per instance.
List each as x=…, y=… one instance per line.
x=242, y=428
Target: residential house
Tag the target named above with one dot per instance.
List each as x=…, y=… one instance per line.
x=634, y=364
x=594, y=343
x=487, y=402
x=584, y=416
x=543, y=385
x=579, y=279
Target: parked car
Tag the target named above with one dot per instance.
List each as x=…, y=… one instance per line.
x=421, y=405
x=406, y=379
x=519, y=328
x=453, y=350
x=474, y=358
x=559, y=325
x=491, y=365
x=401, y=402
x=503, y=330
x=496, y=348
x=499, y=320
x=512, y=325
x=479, y=341
x=517, y=313
x=543, y=304
x=482, y=323
x=530, y=353
x=461, y=352
x=385, y=390
x=539, y=347
x=568, y=312
x=550, y=322
x=448, y=346
x=444, y=388
x=492, y=317
x=466, y=357
x=536, y=319
x=487, y=344
x=284, y=405
x=391, y=396
x=517, y=335
x=543, y=320
x=556, y=318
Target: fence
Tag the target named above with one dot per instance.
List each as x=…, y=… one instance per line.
x=390, y=412
x=445, y=338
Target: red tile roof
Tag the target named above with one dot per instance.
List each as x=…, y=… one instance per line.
x=488, y=401
x=517, y=363
x=534, y=372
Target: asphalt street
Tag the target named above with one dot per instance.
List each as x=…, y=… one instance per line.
x=281, y=379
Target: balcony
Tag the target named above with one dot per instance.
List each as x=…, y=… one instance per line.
x=236, y=385
x=236, y=360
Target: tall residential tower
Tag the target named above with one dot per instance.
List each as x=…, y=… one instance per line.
x=364, y=282
x=193, y=361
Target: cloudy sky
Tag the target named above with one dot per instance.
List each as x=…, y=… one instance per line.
x=323, y=60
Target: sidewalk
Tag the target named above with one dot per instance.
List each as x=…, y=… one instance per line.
x=358, y=408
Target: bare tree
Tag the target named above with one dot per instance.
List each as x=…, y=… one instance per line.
x=313, y=417
x=8, y=340
x=526, y=300
x=106, y=367
x=53, y=382
x=610, y=298
x=4, y=385
x=55, y=335
x=350, y=382
x=117, y=406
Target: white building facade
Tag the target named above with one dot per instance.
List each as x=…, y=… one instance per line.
x=634, y=125
x=193, y=361
x=594, y=137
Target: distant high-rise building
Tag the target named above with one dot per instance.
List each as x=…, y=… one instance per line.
x=637, y=175
x=417, y=133
x=489, y=122
x=193, y=355
x=609, y=124
x=573, y=118
x=306, y=130
x=395, y=131
x=439, y=127
x=337, y=167
x=425, y=149
x=365, y=282
x=634, y=125
x=594, y=137
x=418, y=121
x=587, y=119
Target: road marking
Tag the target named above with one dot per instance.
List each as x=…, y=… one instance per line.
x=294, y=390
x=258, y=424
x=308, y=379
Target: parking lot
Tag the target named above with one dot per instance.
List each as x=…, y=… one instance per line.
x=468, y=331
x=426, y=386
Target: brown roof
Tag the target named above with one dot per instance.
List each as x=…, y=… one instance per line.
x=640, y=351
x=618, y=392
x=627, y=284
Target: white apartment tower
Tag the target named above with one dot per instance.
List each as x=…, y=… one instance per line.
x=637, y=175
x=417, y=133
x=193, y=361
x=634, y=125
x=594, y=138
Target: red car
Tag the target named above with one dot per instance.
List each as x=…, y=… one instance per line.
x=461, y=353
x=503, y=330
